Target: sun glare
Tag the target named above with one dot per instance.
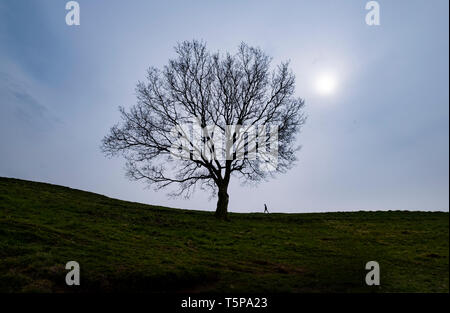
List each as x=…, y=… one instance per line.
x=326, y=83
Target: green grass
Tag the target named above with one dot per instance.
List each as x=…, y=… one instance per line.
x=125, y=246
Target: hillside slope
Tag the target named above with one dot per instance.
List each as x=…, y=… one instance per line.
x=124, y=246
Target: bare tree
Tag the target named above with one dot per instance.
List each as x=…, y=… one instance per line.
x=208, y=116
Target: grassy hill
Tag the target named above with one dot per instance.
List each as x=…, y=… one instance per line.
x=125, y=246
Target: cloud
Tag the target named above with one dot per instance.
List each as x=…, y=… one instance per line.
x=20, y=105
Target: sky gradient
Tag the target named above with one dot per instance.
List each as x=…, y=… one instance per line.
x=379, y=142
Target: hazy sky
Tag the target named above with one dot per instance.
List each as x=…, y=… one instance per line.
x=378, y=142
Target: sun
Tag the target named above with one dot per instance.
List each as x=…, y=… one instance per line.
x=326, y=83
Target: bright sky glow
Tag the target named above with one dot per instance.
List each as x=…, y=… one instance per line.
x=326, y=83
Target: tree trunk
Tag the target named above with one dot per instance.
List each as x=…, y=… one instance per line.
x=222, y=203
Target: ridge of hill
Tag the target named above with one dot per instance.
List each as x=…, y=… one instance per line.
x=127, y=246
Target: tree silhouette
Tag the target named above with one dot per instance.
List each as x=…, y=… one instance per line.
x=206, y=117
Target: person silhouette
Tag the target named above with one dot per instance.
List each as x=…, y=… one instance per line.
x=265, y=209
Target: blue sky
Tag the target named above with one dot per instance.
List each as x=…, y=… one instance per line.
x=379, y=142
